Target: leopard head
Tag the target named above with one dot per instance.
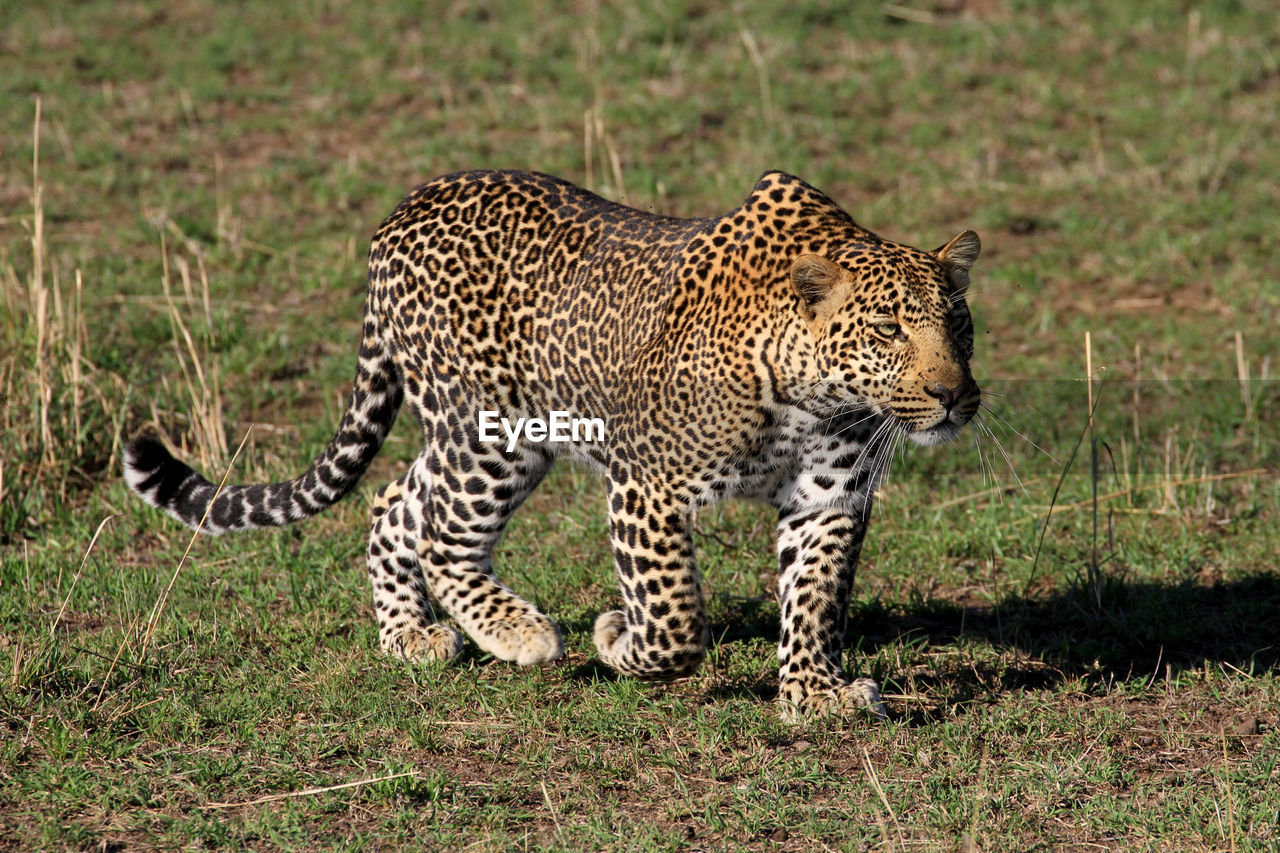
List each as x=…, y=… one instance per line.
x=891, y=332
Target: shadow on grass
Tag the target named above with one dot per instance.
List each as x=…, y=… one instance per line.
x=594, y=670
x=960, y=655
x=1140, y=629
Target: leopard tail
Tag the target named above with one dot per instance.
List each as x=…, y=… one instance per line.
x=171, y=485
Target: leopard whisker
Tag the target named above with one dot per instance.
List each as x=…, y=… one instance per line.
x=847, y=427
x=985, y=408
x=1008, y=460
x=988, y=476
x=872, y=453
x=895, y=442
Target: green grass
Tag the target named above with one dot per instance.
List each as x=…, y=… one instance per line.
x=1067, y=679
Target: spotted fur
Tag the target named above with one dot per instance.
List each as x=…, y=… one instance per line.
x=780, y=352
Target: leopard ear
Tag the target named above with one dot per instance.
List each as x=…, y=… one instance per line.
x=822, y=285
x=959, y=256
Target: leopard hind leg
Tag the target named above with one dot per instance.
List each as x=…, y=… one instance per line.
x=466, y=515
x=406, y=627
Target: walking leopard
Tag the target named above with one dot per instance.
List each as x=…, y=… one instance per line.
x=779, y=353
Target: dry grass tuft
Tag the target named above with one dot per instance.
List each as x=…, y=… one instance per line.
x=61, y=416
x=201, y=377
x=54, y=402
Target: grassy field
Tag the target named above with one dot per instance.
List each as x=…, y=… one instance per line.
x=1077, y=633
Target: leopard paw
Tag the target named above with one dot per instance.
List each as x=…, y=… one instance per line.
x=842, y=700
x=617, y=647
x=524, y=640
x=424, y=645
x=608, y=629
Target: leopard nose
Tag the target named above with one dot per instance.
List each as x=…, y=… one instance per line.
x=947, y=396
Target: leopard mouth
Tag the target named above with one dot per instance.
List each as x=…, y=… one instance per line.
x=939, y=433
x=946, y=428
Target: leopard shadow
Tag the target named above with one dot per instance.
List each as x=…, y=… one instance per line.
x=1142, y=631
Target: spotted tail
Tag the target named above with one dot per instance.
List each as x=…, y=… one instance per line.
x=174, y=487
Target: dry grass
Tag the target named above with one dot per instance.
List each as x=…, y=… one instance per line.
x=61, y=418
x=205, y=433
x=53, y=400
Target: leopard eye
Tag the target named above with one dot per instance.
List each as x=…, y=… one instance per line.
x=888, y=330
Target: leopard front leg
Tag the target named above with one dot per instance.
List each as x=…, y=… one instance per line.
x=405, y=625
x=817, y=555
x=661, y=632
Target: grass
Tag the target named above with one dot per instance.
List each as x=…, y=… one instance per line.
x=1073, y=658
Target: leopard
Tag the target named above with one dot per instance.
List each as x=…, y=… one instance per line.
x=779, y=353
